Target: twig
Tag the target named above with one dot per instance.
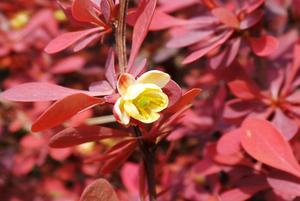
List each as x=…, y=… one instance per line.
x=121, y=36
x=148, y=152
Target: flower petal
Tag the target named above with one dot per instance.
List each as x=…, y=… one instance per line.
x=156, y=77
x=124, y=81
x=135, y=90
x=119, y=112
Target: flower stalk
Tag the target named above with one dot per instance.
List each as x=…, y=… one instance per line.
x=148, y=152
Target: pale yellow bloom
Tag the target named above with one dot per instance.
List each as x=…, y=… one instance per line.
x=20, y=20
x=141, y=99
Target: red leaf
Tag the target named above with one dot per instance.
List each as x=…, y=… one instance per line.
x=63, y=110
x=244, y=90
x=226, y=16
x=110, y=71
x=264, y=45
x=251, y=20
x=169, y=6
x=70, y=64
x=137, y=69
x=67, y=39
x=82, y=10
x=101, y=86
x=199, y=53
x=247, y=187
x=286, y=126
x=229, y=143
x=237, y=108
x=173, y=91
x=117, y=160
x=60, y=154
x=284, y=184
x=106, y=9
x=141, y=27
x=162, y=21
x=130, y=177
x=79, y=135
x=83, y=43
x=262, y=141
x=185, y=100
x=99, y=190
x=189, y=38
x=42, y=91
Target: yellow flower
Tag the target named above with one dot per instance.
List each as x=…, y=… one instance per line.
x=20, y=20
x=141, y=99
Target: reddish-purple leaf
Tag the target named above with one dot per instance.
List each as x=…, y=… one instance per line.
x=83, y=43
x=137, y=69
x=237, y=108
x=82, y=10
x=255, y=4
x=246, y=189
x=110, y=71
x=185, y=100
x=174, y=92
x=226, y=16
x=70, y=64
x=161, y=21
x=229, y=143
x=63, y=110
x=285, y=184
x=199, y=53
x=286, y=126
x=189, y=38
x=130, y=177
x=106, y=9
x=262, y=141
x=169, y=6
x=101, y=86
x=120, y=158
x=42, y=91
x=244, y=90
x=233, y=51
x=294, y=97
x=264, y=45
x=251, y=20
x=67, y=39
x=99, y=190
x=141, y=27
x=78, y=135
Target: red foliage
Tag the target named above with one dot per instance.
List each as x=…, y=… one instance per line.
x=231, y=128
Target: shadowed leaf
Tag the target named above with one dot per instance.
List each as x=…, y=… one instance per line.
x=99, y=190
x=81, y=134
x=64, y=109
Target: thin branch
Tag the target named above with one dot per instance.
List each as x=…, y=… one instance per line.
x=148, y=152
x=121, y=36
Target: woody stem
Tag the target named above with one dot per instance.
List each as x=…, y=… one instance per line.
x=148, y=152
x=121, y=35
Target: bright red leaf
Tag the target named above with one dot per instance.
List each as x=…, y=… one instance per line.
x=67, y=39
x=141, y=27
x=262, y=141
x=64, y=109
x=226, y=16
x=264, y=45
